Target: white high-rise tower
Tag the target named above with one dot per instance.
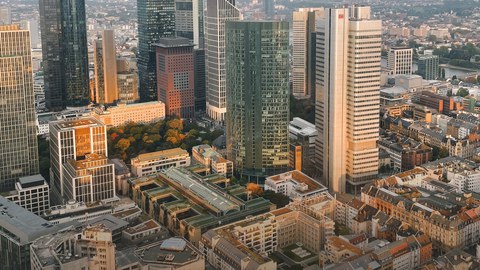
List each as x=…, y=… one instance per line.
x=347, y=97
x=218, y=12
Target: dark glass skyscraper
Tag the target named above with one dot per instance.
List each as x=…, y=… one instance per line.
x=156, y=19
x=65, y=54
x=257, y=117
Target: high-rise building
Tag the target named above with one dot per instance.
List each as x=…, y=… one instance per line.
x=156, y=19
x=5, y=16
x=32, y=26
x=302, y=51
x=428, y=67
x=18, y=144
x=79, y=168
x=189, y=21
x=348, y=97
x=257, y=118
x=65, y=54
x=105, y=63
x=199, y=77
x=175, y=73
x=400, y=60
x=218, y=12
x=268, y=8
x=127, y=81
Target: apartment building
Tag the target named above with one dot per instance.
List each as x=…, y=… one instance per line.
x=400, y=60
x=205, y=155
x=295, y=185
x=31, y=193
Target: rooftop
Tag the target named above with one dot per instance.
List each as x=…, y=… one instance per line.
x=172, y=42
x=77, y=123
x=165, y=154
x=172, y=251
x=300, y=178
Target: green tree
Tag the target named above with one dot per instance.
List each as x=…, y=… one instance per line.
x=443, y=152
x=462, y=92
x=123, y=144
x=278, y=199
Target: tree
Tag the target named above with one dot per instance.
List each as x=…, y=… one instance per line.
x=255, y=189
x=278, y=199
x=443, y=152
x=123, y=144
x=432, y=38
x=175, y=124
x=462, y=92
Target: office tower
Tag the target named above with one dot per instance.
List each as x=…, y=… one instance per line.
x=19, y=153
x=199, y=80
x=65, y=56
x=347, y=107
x=302, y=51
x=189, y=21
x=156, y=19
x=105, y=62
x=32, y=26
x=428, y=67
x=268, y=8
x=127, y=81
x=257, y=68
x=31, y=193
x=400, y=60
x=5, y=16
x=79, y=168
x=218, y=12
x=175, y=76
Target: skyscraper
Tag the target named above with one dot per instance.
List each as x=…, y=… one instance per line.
x=175, y=73
x=127, y=81
x=218, y=12
x=348, y=97
x=105, y=63
x=156, y=19
x=302, y=51
x=5, y=16
x=65, y=54
x=400, y=60
x=18, y=133
x=268, y=8
x=257, y=118
x=79, y=168
x=428, y=67
x=189, y=21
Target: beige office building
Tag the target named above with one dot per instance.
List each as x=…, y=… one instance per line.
x=122, y=113
x=18, y=144
x=400, y=60
x=105, y=62
x=303, y=27
x=127, y=80
x=347, y=97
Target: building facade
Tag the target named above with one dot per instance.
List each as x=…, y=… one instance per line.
x=19, y=154
x=123, y=113
x=155, y=162
x=348, y=98
x=74, y=140
x=189, y=21
x=65, y=55
x=156, y=19
x=175, y=76
x=400, y=60
x=205, y=155
x=105, y=63
x=127, y=81
x=428, y=67
x=32, y=193
x=303, y=79
x=257, y=68
x=218, y=12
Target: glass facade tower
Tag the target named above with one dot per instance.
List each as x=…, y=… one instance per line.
x=65, y=53
x=156, y=19
x=18, y=133
x=257, y=117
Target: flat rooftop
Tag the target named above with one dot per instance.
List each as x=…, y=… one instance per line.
x=23, y=224
x=172, y=251
x=299, y=177
x=211, y=196
x=165, y=154
x=77, y=123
